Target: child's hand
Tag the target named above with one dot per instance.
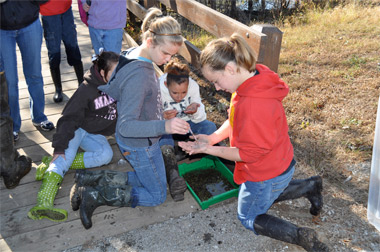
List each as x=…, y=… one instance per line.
x=169, y=114
x=201, y=138
x=193, y=147
x=192, y=108
x=55, y=156
x=176, y=126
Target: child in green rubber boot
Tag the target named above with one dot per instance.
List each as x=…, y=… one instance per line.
x=88, y=117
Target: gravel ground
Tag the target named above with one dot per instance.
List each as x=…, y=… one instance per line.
x=343, y=226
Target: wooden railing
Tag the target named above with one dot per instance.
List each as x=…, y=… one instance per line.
x=264, y=39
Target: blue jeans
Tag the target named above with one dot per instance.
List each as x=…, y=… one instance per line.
x=205, y=127
x=98, y=152
x=255, y=198
x=29, y=41
x=110, y=40
x=148, y=178
x=57, y=28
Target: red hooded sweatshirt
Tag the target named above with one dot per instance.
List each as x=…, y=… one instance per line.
x=55, y=7
x=259, y=127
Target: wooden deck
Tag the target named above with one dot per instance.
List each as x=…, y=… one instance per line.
x=17, y=231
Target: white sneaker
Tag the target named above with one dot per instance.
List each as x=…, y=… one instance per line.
x=45, y=125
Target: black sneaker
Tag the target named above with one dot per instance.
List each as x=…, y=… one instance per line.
x=16, y=137
x=45, y=125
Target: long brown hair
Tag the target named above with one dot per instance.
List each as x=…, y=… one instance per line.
x=219, y=52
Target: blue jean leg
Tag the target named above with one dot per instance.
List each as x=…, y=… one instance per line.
x=29, y=40
x=9, y=65
x=205, y=127
x=110, y=40
x=57, y=28
x=149, y=172
x=255, y=198
x=52, y=28
x=69, y=37
x=98, y=152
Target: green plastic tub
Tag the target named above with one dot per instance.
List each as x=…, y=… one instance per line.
x=210, y=162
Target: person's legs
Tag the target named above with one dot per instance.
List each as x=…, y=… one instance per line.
x=177, y=184
x=52, y=27
x=29, y=40
x=13, y=167
x=97, y=149
x=149, y=170
x=112, y=40
x=98, y=152
x=110, y=195
x=205, y=127
x=69, y=37
x=9, y=65
x=283, y=230
x=166, y=140
x=255, y=198
x=311, y=188
x=45, y=199
x=96, y=36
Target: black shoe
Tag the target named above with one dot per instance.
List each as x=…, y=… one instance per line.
x=58, y=97
x=45, y=125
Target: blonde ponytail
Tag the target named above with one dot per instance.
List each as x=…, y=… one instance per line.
x=161, y=29
x=219, y=52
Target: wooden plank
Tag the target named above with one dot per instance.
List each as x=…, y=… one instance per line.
x=217, y=23
x=107, y=221
x=190, y=52
x=17, y=232
x=138, y=10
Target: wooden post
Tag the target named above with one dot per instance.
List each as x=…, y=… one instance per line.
x=272, y=47
x=149, y=3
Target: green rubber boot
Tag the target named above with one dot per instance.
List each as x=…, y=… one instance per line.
x=77, y=164
x=45, y=200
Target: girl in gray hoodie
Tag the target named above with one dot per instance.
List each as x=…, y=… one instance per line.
x=134, y=85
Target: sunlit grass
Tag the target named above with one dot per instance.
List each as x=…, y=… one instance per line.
x=330, y=60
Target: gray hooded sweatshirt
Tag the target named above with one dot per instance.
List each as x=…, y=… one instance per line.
x=135, y=87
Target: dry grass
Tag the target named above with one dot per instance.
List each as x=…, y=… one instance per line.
x=330, y=59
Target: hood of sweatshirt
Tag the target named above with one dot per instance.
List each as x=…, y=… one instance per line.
x=266, y=84
x=122, y=74
x=93, y=77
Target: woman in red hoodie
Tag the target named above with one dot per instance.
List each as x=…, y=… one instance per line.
x=259, y=141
